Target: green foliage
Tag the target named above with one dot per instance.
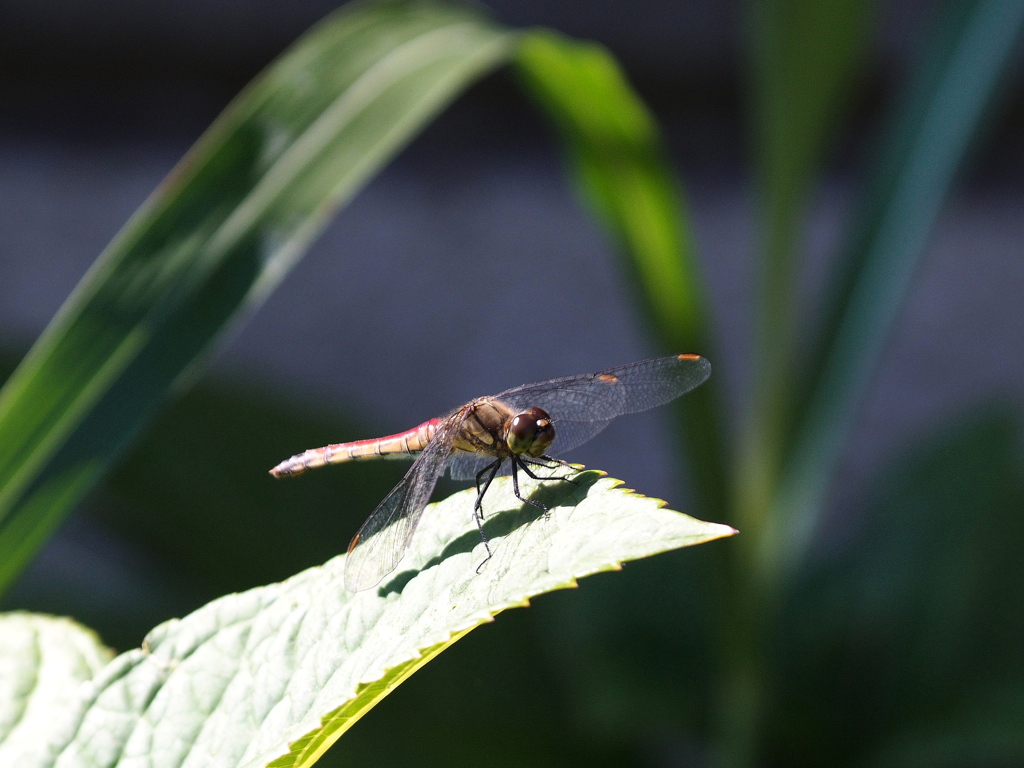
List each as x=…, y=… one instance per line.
x=275, y=675
x=805, y=56
x=804, y=66
x=897, y=647
x=214, y=239
x=44, y=662
x=929, y=134
x=904, y=650
x=622, y=170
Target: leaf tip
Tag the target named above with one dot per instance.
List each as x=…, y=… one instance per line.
x=724, y=531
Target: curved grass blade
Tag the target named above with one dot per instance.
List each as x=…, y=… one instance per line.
x=216, y=236
x=623, y=172
x=276, y=674
x=944, y=110
x=804, y=59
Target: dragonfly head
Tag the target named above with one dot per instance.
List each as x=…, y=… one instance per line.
x=529, y=432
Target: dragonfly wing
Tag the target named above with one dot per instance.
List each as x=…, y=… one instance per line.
x=382, y=540
x=581, y=406
x=570, y=433
x=465, y=466
x=606, y=395
x=576, y=398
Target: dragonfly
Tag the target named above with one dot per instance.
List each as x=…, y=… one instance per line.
x=518, y=430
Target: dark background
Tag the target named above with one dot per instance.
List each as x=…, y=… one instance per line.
x=412, y=301
x=101, y=98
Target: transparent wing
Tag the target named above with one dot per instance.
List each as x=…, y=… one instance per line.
x=581, y=406
x=570, y=434
x=382, y=540
x=465, y=466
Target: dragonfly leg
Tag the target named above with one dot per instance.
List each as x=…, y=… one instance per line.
x=517, y=462
x=487, y=544
x=552, y=460
x=478, y=508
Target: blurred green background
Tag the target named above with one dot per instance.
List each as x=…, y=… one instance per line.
x=852, y=183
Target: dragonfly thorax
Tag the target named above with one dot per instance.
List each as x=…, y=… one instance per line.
x=529, y=432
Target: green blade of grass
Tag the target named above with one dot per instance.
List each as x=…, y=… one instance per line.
x=805, y=54
x=276, y=674
x=622, y=171
x=217, y=235
x=946, y=102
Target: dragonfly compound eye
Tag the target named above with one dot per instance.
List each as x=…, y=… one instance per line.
x=530, y=432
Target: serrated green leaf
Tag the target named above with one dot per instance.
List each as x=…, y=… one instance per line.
x=276, y=674
x=44, y=661
x=215, y=238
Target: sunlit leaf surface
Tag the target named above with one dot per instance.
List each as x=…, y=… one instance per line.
x=44, y=663
x=274, y=675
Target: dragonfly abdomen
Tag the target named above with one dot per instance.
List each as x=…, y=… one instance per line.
x=398, y=446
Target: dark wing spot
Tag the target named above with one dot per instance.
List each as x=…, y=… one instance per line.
x=352, y=544
x=608, y=377
x=689, y=357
